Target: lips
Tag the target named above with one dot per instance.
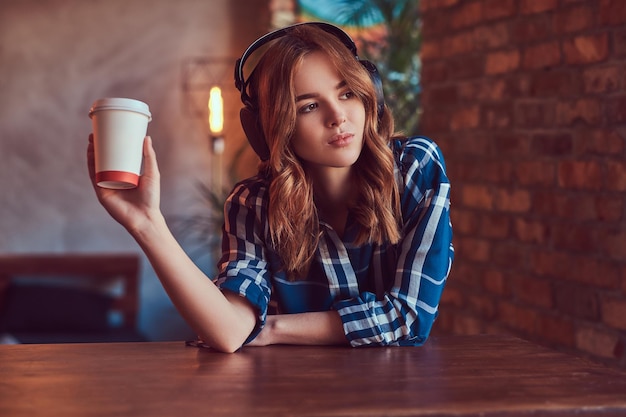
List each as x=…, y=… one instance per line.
x=341, y=139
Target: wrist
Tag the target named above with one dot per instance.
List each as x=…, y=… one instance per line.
x=150, y=225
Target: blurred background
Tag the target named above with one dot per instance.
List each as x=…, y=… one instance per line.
x=526, y=98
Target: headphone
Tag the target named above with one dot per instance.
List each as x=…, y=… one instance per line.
x=249, y=113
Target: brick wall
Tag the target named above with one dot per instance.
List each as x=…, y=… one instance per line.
x=527, y=98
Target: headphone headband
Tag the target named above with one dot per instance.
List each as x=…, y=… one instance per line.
x=241, y=83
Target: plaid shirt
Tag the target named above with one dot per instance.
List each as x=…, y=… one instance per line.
x=384, y=294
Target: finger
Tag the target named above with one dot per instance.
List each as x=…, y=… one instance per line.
x=91, y=165
x=151, y=167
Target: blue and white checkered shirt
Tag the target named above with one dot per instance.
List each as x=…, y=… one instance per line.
x=384, y=294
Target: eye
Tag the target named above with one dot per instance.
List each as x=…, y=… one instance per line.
x=346, y=95
x=308, y=108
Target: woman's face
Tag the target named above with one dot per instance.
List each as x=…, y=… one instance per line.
x=330, y=119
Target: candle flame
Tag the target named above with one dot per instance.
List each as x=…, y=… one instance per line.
x=216, y=111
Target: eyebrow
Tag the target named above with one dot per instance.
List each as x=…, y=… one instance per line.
x=313, y=95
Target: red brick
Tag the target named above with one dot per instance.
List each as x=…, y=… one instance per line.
x=612, y=12
x=588, y=111
x=549, y=263
x=586, y=49
x=464, y=275
x=534, y=114
x=472, y=144
x=543, y=55
x=435, y=73
x=616, y=109
x=495, y=282
x=585, y=207
x=438, y=24
x=602, y=80
x=430, y=50
x=553, y=144
x=510, y=255
x=498, y=172
x=432, y=123
x=614, y=312
x=619, y=43
x=502, y=62
x=497, y=115
x=453, y=297
x=468, y=14
x=573, y=237
x=494, y=226
x=553, y=204
x=478, y=250
x=599, y=142
x=597, y=341
x=461, y=172
x=496, y=9
x=594, y=272
x=518, y=318
x=614, y=245
x=534, y=6
x=484, y=306
x=466, y=222
x=556, y=330
x=533, y=291
x=535, y=172
x=577, y=300
x=491, y=36
x=426, y=5
x=514, y=144
x=574, y=19
x=441, y=96
x=580, y=174
x=489, y=90
x=512, y=201
x=465, y=324
x=457, y=44
x=609, y=208
x=617, y=174
x=466, y=66
x=467, y=117
x=531, y=29
x=531, y=231
x=555, y=83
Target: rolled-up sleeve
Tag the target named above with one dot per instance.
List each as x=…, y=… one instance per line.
x=243, y=266
x=404, y=315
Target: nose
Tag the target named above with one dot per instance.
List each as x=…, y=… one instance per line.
x=336, y=115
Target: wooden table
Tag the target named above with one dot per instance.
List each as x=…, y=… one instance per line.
x=449, y=376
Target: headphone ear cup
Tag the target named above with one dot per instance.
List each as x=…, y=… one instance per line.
x=378, y=84
x=252, y=128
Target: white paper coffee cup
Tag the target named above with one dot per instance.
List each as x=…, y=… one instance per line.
x=119, y=128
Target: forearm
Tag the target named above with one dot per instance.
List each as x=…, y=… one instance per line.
x=223, y=323
x=314, y=328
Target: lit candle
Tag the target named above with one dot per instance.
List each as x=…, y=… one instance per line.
x=216, y=111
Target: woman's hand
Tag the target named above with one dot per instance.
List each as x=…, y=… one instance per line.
x=132, y=208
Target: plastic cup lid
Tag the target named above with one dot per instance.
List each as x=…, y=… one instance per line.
x=120, y=104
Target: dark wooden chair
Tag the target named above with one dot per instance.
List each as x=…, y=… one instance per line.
x=60, y=298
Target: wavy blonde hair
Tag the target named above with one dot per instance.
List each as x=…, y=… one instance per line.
x=293, y=217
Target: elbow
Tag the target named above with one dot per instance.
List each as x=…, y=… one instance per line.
x=229, y=348
x=227, y=344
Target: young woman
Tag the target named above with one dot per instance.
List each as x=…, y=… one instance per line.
x=346, y=226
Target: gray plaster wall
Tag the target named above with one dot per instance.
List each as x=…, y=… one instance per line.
x=56, y=58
